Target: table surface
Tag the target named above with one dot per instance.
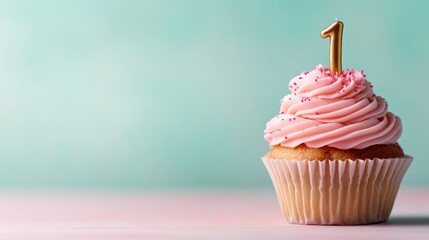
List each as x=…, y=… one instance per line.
x=217, y=214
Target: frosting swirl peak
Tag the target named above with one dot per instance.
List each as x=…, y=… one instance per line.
x=324, y=109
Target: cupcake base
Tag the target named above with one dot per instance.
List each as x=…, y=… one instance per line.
x=337, y=192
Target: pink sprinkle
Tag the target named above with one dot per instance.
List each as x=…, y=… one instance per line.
x=315, y=80
x=285, y=137
x=305, y=73
x=294, y=83
x=294, y=118
x=317, y=113
x=300, y=78
x=282, y=112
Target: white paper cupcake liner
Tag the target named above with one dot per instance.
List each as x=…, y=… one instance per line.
x=337, y=192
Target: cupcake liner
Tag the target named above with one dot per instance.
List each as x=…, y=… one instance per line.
x=337, y=192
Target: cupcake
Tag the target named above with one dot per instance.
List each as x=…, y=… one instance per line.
x=334, y=156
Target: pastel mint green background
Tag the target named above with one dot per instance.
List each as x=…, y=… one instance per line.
x=176, y=94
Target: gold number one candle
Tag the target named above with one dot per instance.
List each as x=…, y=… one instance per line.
x=335, y=33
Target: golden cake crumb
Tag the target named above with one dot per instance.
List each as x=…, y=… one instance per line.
x=302, y=152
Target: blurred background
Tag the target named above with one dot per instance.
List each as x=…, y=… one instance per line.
x=176, y=94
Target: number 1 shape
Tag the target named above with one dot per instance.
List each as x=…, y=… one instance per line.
x=335, y=33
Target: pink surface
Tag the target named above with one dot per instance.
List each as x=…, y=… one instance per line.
x=187, y=215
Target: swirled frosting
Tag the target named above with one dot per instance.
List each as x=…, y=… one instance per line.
x=324, y=109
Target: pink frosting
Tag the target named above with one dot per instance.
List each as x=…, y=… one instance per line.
x=324, y=109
